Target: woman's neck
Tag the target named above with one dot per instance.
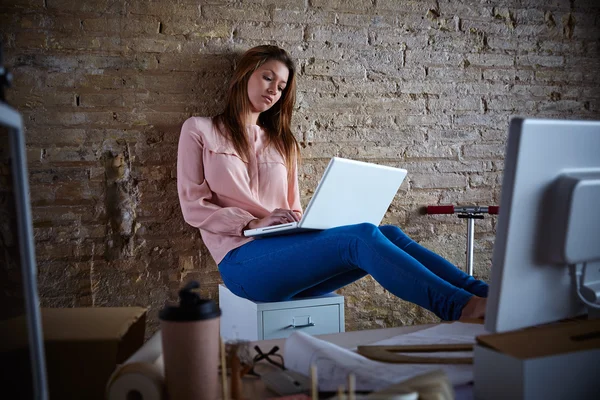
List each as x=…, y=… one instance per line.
x=252, y=118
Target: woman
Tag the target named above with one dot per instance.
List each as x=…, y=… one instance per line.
x=238, y=171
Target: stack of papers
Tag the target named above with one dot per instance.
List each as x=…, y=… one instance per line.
x=335, y=363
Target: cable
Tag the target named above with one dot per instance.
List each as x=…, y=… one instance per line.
x=579, y=283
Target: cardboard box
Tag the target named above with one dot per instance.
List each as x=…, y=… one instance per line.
x=558, y=361
x=84, y=345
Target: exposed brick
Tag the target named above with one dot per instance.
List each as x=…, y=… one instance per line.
x=585, y=63
x=364, y=20
x=508, y=75
x=371, y=152
x=87, y=6
x=552, y=76
x=510, y=45
x=490, y=60
x=400, y=37
x=561, y=105
x=399, y=74
x=321, y=51
x=285, y=4
x=364, y=86
x=285, y=32
x=303, y=16
x=85, y=43
x=484, y=151
x=464, y=103
x=463, y=166
x=540, y=61
x=336, y=34
x=31, y=40
x=492, y=27
x=435, y=58
x=512, y=104
x=26, y=4
x=494, y=134
x=419, y=7
x=235, y=14
x=561, y=47
x=429, y=119
x=481, y=120
x=464, y=10
x=432, y=181
x=483, y=181
x=331, y=68
x=471, y=196
x=545, y=92
x=343, y=5
x=56, y=175
x=312, y=84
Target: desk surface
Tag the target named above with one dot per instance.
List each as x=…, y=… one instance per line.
x=254, y=389
x=352, y=339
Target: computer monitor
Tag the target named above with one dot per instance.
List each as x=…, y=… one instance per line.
x=549, y=218
x=21, y=345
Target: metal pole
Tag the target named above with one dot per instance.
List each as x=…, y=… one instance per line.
x=470, y=238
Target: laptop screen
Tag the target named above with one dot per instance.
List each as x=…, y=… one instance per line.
x=23, y=375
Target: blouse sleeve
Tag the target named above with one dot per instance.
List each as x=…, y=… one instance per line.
x=293, y=190
x=195, y=195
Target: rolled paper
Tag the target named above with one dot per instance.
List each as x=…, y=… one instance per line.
x=141, y=376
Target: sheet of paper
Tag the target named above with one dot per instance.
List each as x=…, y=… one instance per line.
x=454, y=333
x=334, y=363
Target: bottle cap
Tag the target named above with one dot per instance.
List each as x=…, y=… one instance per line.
x=191, y=307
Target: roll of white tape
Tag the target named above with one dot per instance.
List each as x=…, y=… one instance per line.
x=140, y=381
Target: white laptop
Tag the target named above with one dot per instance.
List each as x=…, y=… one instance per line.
x=350, y=192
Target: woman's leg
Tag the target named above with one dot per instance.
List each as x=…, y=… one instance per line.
x=279, y=268
x=334, y=283
x=435, y=263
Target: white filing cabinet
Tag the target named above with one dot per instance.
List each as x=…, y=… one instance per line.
x=244, y=319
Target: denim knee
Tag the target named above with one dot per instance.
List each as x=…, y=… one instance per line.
x=365, y=230
x=396, y=235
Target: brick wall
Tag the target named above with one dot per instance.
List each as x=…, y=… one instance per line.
x=427, y=85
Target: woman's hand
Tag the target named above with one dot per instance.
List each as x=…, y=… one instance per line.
x=278, y=216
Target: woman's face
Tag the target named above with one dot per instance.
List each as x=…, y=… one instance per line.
x=266, y=85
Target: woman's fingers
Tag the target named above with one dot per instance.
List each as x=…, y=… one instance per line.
x=287, y=215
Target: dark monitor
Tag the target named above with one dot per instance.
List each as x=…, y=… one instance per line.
x=23, y=374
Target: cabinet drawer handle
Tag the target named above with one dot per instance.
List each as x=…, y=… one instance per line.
x=308, y=323
x=300, y=326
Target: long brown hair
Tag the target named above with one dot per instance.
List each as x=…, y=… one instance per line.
x=276, y=121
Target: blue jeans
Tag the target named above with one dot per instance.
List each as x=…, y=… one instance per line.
x=279, y=268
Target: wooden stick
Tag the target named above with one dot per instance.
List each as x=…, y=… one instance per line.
x=224, y=387
x=236, y=375
x=314, y=383
x=351, y=387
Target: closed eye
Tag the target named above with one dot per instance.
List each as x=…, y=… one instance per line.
x=269, y=79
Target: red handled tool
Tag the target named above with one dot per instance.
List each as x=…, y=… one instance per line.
x=471, y=213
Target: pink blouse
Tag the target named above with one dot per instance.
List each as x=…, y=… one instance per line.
x=220, y=194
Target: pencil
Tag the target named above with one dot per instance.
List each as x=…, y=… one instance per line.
x=313, y=382
x=223, y=370
x=351, y=386
x=340, y=394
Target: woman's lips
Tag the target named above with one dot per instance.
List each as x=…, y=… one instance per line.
x=268, y=99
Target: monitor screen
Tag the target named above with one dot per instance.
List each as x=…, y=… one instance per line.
x=21, y=351
x=527, y=288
